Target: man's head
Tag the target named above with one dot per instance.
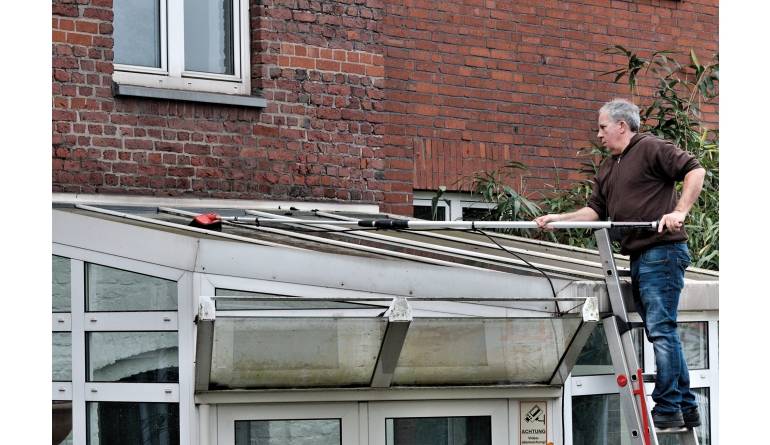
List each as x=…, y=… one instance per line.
x=618, y=123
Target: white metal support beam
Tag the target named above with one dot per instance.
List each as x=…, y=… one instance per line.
x=205, y=343
x=568, y=360
x=395, y=334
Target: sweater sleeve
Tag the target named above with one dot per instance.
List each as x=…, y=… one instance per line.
x=674, y=163
x=597, y=201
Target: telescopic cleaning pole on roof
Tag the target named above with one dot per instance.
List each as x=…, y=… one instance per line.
x=214, y=221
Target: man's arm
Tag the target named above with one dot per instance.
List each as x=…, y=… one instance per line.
x=584, y=214
x=693, y=183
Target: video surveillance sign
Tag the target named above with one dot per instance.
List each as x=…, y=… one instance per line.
x=533, y=429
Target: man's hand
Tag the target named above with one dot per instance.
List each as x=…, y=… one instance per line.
x=542, y=221
x=672, y=222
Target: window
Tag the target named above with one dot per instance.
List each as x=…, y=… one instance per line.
x=198, y=45
x=439, y=430
x=287, y=432
x=598, y=420
x=129, y=423
x=111, y=289
x=451, y=206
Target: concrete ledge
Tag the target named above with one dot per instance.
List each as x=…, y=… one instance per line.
x=188, y=96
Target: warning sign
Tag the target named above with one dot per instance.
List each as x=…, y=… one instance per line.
x=532, y=424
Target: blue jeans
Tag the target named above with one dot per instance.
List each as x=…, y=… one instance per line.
x=658, y=278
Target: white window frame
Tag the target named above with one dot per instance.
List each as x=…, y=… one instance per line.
x=347, y=412
x=454, y=202
x=172, y=75
x=79, y=322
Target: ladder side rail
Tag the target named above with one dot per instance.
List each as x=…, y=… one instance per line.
x=621, y=345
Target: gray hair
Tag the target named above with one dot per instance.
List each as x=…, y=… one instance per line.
x=622, y=110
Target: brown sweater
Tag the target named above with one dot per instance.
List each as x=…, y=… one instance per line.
x=639, y=185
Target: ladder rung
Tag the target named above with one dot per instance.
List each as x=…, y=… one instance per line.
x=648, y=378
x=682, y=430
x=623, y=272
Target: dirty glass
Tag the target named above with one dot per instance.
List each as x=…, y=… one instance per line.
x=132, y=423
x=138, y=357
x=595, y=358
x=111, y=289
x=295, y=352
x=60, y=284
x=475, y=430
x=694, y=337
x=457, y=351
x=288, y=432
x=62, y=356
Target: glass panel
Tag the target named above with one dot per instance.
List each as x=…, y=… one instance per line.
x=60, y=284
x=598, y=420
x=288, y=432
x=62, y=423
x=131, y=423
x=475, y=213
x=229, y=305
x=138, y=357
x=295, y=352
x=208, y=40
x=426, y=212
x=120, y=290
x=704, y=430
x=62, y=357
x=476, y=430
x=482, y=351
x=694, y=336
x=595, y=358
x=137, y=32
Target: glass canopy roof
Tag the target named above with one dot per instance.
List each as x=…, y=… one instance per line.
x=345, y=347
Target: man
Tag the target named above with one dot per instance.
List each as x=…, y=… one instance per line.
x=637, y=183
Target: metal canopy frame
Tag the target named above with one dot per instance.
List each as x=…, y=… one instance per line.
x=399, y=315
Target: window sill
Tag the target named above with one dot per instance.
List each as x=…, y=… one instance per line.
x=188, y=96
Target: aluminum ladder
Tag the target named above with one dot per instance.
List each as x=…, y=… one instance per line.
x=628, y=373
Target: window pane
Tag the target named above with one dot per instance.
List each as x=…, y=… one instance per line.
x=476, y=430
x=288, y=432
x=138, y=357
x=475, y=213
x=119, y=290
x=295, y=352
x=60, y=284
x=694, y=336
x=426, y=212
x=208, y=37
x=62, y=423
x=131, y=423
x=598, y=420
x=470, y=351
x=137, y=32
x=62, y=357
x=595, y=358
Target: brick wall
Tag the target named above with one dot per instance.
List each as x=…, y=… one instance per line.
x=473, y=84
x=367, y=99
x=318, y=64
